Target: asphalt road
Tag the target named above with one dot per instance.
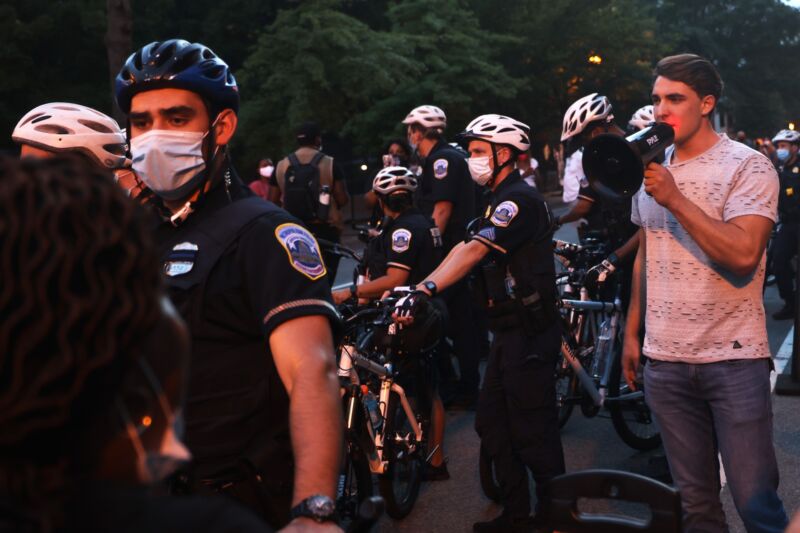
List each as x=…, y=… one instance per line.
x=452, y=506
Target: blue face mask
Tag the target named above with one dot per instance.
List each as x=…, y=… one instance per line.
x=782, y=154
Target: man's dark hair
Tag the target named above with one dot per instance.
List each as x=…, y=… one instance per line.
x=307, y=134
x=695, y=71
x=433, y=134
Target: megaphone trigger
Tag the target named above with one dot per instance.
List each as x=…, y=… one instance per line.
x=615, y=165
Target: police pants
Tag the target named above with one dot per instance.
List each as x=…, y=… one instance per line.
x=783, y=250
x=516, y=417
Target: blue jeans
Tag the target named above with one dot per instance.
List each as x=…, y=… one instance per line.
x=723, y=407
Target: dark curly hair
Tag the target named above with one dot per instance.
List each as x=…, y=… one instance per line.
x=79, y=288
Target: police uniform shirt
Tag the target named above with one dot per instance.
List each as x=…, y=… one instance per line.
x=789, y=198
x=445, y=177
x=516, y=215
x=271, y=273
x=412, y=243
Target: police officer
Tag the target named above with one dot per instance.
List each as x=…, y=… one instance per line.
x=516, y=416
x=785, y=246
x=250, y=283
x=447, y=195
x=585, y=119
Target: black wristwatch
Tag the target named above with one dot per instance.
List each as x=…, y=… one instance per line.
x=317, y=507
x=431, y=286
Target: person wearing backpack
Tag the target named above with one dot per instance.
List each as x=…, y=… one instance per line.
x=310, y=186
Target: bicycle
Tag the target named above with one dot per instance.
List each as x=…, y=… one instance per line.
x=384, y=435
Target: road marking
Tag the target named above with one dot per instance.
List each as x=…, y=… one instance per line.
x=782, y=358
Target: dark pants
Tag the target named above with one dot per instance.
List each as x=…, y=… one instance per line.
x=783, y=250
x=724, y=407
x=461, y=329
x=329, y=233
x=517, y=418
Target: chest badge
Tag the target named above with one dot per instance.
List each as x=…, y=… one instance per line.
x=504, y=214
x=401, y=240
x=440, y=168
x=181, y=259
x=302, y=249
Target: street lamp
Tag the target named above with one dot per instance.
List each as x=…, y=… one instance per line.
x=595, y=59
x=364, y=167
x=791, y=126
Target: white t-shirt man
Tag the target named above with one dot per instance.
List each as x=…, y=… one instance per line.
x=697, y=311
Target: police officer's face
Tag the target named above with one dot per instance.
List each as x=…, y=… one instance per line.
x=678, y=105
x=478, y=148
x=178, y=109
x=792, y=147
x=167, y=109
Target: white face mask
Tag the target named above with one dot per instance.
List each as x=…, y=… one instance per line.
x=266, y=171
x=169, y=162
x=480, y=169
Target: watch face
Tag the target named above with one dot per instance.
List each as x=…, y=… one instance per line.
x=321, y=506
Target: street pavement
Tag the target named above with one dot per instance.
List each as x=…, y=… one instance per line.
x=452, y=506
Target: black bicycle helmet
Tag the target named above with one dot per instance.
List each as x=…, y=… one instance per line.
x=177, y=64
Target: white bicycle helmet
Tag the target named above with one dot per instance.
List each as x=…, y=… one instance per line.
x=64, y=127
x=583, y=111
x=499, y=129
x=791, y=136
x=642, y=118
x=428, y=116
x=393, y=179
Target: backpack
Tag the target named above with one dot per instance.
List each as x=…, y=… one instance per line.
x=301, y=188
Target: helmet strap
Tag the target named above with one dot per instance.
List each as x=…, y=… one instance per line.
x=497, y=166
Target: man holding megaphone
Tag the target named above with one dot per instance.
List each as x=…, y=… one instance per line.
x=705, y=214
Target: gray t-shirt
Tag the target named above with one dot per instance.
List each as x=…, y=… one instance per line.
x=697, y=311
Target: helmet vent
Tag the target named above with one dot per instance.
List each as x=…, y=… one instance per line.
x=137, y=61
x=214, y=73
x=52, y=128
x=116, y=149
x=208, y=54
x=96, y=126
x=165, y=55
x=40, y=118
x=184, y=61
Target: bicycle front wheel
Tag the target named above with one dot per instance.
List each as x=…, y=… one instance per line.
x=399, y=485
x=632, y=419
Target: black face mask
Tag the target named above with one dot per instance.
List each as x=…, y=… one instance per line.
x=397, y=202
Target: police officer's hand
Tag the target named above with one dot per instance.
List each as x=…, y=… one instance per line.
x=408, y=306
x=340, y=296
x=300, y=525
x=660, y=184
x=598, y=274
x=631, y=356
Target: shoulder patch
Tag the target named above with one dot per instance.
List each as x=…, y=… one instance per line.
x=504, y=214
x=440, y=168
x=302, y=249
x=401, y=240
x=181, y=259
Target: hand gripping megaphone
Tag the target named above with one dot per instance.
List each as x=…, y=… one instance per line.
x=615, y=165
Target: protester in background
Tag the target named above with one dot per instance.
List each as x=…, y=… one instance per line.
x=91, y=403
x=706, y=215
x=261, y=185
x=741, y=137
x=528, y=169
x=311, y=186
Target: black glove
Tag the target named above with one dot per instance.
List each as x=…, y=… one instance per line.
x=598, y=274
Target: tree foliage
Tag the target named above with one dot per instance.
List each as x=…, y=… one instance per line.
x=358, y=66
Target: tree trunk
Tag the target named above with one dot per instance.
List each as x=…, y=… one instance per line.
x=119, y=41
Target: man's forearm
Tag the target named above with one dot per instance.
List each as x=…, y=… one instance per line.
x=316, y=428
x=459, y=263
x=725, y=243
x=450, y=254
x=630, y=247
x=441, y=215
x=636, y=308
x=578, y=211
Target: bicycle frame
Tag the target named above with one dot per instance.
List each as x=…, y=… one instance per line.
x=349, y=358
x=592, y=311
